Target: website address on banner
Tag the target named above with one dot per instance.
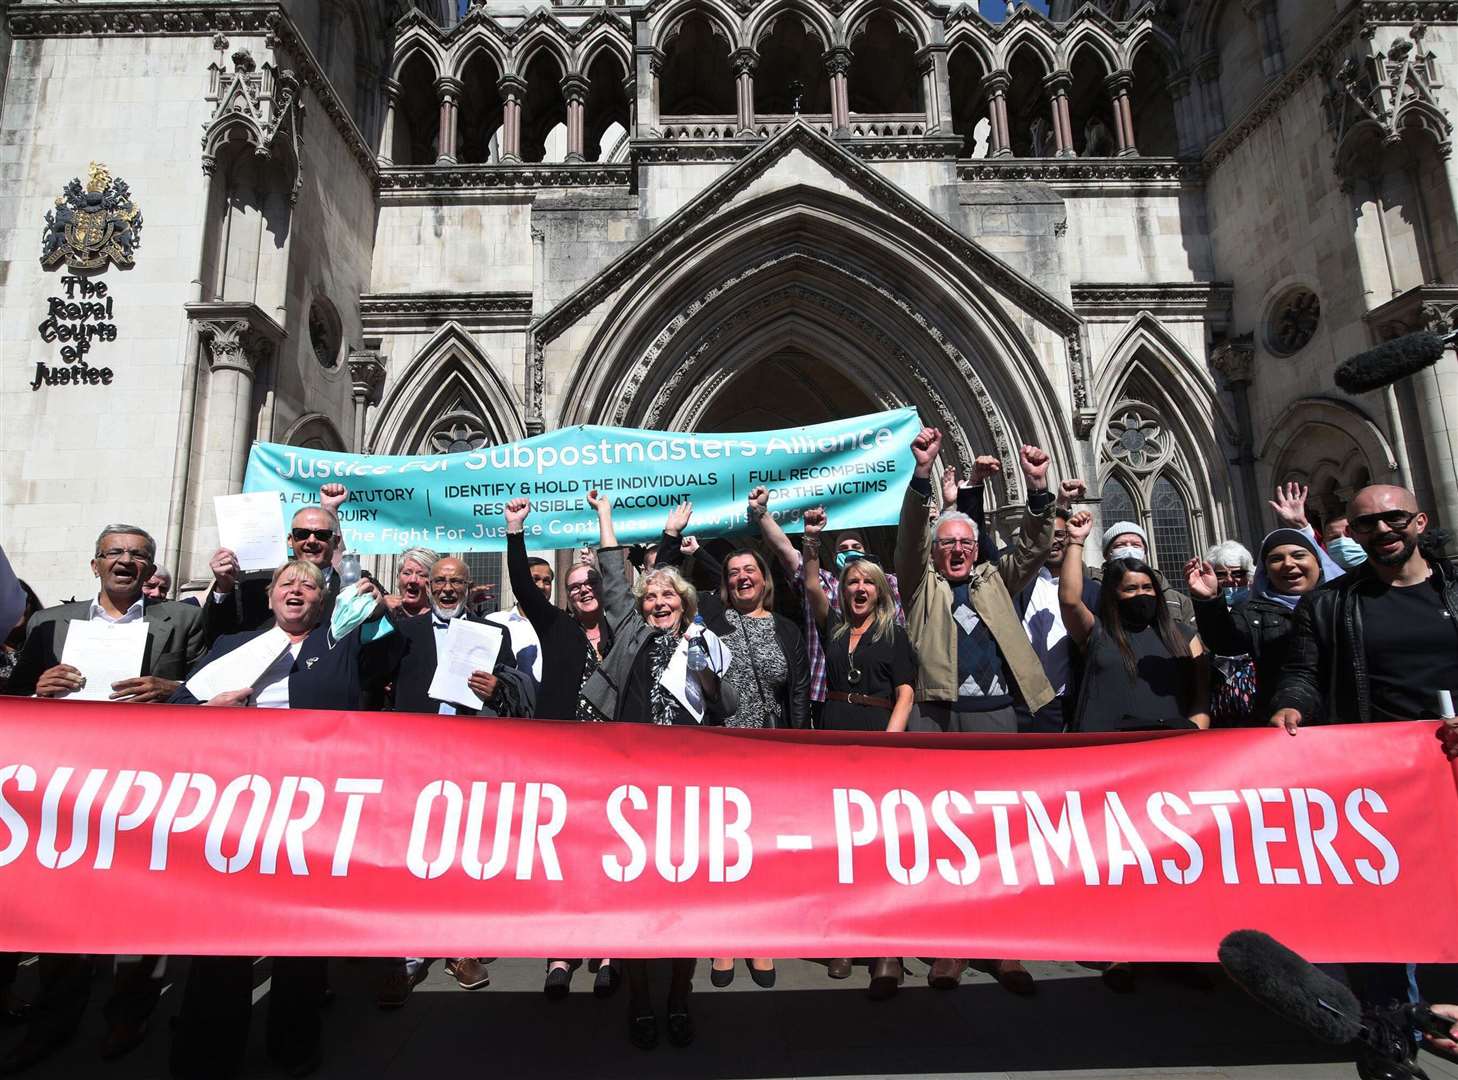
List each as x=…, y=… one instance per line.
x=1290, y=836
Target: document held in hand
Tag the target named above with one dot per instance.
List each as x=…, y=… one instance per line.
x=468, y=647
x=104, y=653
x=240, y=668
x=251, y=527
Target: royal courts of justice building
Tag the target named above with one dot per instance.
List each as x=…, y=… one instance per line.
x=1141, y=236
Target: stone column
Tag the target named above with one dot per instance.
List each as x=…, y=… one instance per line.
x=387, y=129
x=837, y=66
x=512, y=90
x=1234, y=360
x=1435, y=391
x=647, y=64
x=1118, y=85
x=1207, y=74
x=744, y=61
x=367, y=373
x=574, y=90
x=931, y=64
x=234, y=350
x=1058, y=84
x=996, y=84
x=1263, y=14
x=1186, y=125
x=449, y=92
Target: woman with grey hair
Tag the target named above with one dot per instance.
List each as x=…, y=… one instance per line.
x=1233, y=678
x=412, y=582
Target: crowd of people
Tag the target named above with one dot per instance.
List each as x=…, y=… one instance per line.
x=1354, y=624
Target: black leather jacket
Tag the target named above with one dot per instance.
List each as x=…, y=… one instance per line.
x=1258, y=627
x=1327, y=663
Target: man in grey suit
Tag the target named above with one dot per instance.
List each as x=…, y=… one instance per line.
x=125, y=559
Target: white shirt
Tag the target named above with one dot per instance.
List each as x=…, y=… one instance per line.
x=132, y=614
x=272, y=687
x=441, y=628
x=1043, y=623
x=524, y=640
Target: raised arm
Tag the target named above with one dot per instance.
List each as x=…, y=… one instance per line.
x=1225, y=631
x=540, y=611
x=913, y=535
x=770, y=529
x=970, y=498
x=1035, y=535
x=810, y=547
x=1078, y=620
x=603, y=504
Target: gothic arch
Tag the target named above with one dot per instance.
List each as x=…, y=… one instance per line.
x=603, y=37
x=415, y=41
x=1033, y=37
x=763, y=20
x=861, y=275
x=1331, y=445
x=1089, y=36
x=1149, y=36
x=905, y=15
x=966, y=37
x=540, y=37
x=720, y=17
x=450, y=377
x=478, y=41
x=317, y=431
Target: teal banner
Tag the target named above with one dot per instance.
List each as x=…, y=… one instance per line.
x=857, y=468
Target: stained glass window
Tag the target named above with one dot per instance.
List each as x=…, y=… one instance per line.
x=1173, y=539
x=1118, y=502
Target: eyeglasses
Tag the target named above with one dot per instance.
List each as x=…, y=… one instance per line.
x=322, y=535
x=113, y=554
x=459, y=583
x=581, y=586
x=1222, y=574
x=1396, y=520
x=953, y=542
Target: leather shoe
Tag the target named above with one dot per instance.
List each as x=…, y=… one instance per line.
x=558, y=983
x=945, y=974
x=1014, y=978
x=839, y=968
x=395, y=987
x=643, y=1031
x=680, y=1029
x=886, y=973
x=605, y=983
x=470, y=973
x=1119, y=978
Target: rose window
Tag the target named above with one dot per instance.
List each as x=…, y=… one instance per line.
x=1137, y=440
x=458, y=438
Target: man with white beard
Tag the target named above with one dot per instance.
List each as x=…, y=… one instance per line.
x=409, y=669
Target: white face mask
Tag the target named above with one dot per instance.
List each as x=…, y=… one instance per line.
x=1127, y=551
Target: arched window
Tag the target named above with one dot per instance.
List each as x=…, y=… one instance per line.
x=1173, y=542
x=1118, y=501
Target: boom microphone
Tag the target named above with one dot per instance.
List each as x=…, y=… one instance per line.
x=1392, y=360
x=1287, y=984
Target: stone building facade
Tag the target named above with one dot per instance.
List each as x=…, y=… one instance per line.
x=1139, y=235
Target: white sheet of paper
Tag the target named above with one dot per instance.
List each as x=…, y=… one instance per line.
x=468, y=647
x=240, y=668
x=677, y=680
x=251, y=527
x=104, y=653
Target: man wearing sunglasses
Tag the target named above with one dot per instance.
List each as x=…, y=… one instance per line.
x=236, y=605
x=1382, y=641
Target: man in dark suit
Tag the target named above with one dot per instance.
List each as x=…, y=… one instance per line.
x=235, y=604
x=125, y=559
x=505, y=690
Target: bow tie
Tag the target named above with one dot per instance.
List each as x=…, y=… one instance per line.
x=440, y=624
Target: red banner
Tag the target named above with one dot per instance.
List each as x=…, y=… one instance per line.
x=163, y=829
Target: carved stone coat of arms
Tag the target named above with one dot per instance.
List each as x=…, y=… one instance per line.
x=92, y=225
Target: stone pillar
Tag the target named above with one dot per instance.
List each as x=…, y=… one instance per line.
x=647, y=65
x=1058, y=84
x=744, y=61
x=449, y=92
x=1118, y=85
x=996, y=84
x=237, y=338
x=837, y=66
x=387, y=129
x=1207, y=74
x=512, y=90
x=936, y=92
x=1263, y=14
x=367, y=372
x=1234, y=360
x=574, y=90
x=1435, y=392
x=1186, y=124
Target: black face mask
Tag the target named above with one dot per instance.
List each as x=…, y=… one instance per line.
x=1137, y=612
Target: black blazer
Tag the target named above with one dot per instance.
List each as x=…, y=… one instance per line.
x=246, y=608
x=174, y=641
x=409, y=656
x=327, y=674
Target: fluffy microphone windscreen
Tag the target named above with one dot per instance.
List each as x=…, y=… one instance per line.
x=1286, y=984
x=1388, y=362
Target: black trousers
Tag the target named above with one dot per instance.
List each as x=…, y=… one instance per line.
x=217, y=1006
x=65, y=990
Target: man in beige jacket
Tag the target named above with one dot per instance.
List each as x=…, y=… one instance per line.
x=975, y=654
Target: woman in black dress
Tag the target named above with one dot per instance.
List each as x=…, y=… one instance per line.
x=870, y=670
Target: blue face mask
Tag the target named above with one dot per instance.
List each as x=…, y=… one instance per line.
x=1235, y=596
x=845, y=558
x=1346, y=552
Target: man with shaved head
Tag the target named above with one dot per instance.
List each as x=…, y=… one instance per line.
x=1382, y=641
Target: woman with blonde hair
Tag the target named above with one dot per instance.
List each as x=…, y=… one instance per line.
x=870, y=676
